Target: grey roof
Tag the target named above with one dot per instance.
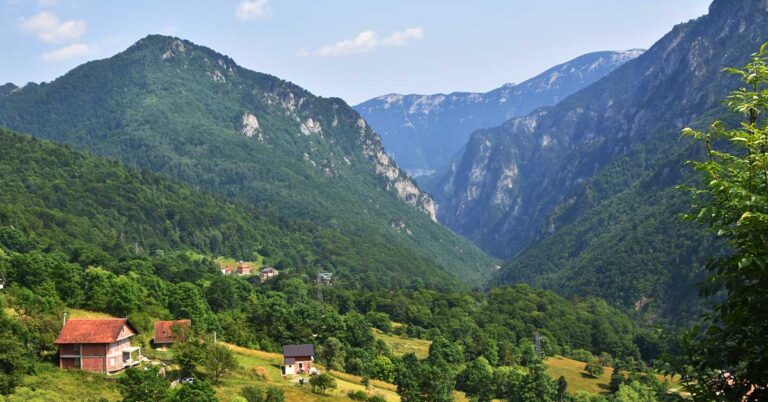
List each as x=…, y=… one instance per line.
x=298, y=350
x=290, y=360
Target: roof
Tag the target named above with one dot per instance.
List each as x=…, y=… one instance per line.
x=105, y=330
x=268, y=269
x=290, y=360
x=164, y=330
x=298, y=350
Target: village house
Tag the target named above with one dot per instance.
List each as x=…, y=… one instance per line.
x=244, y=269
x=167, y=332
x=227, y=270
x=267, y=273
x=97, y=345
x=297, y=359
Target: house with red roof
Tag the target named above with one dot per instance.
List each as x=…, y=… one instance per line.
x=97, y=345
x=167, y=332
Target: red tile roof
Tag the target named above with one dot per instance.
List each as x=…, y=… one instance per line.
x=92, y=331
x=164, y=330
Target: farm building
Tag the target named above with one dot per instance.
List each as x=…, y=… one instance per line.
x=97, y=345
x=298, y=359
x=167, y=332
x=267, y=273
x=244, y=268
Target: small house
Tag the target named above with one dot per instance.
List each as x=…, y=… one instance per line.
x=97, y=345
x=167, y=332
x=267, y=273
x=244, y=269
x=298, y=359
x=227, y=270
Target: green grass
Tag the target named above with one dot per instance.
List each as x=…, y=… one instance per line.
x=401, y=345
x=574, y=373
x=50, y=383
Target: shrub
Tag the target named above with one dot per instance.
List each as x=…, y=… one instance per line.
x=357, y=395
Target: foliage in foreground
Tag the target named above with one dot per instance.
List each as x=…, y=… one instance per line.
x=726, y=358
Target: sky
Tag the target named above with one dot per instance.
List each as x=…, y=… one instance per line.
x=353, y=49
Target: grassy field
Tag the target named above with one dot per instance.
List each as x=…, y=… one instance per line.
x=573, y=371
x=401, y=345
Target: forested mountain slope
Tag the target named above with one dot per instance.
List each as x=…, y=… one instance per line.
x=101, y=212
x=423, y=132
x=190, y=113
x=584, y=189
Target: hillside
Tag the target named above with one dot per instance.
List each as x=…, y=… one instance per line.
x=65, y=199
x=580, y=195
x=424, y=132
x=187, y=112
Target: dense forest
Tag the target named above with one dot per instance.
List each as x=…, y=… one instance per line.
x=77, y=231
x=99, y=210
x=188, y=112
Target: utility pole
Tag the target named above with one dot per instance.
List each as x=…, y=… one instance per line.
x=323, y=279
x=537, y=344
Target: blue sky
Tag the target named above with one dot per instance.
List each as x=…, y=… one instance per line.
x=354, y=49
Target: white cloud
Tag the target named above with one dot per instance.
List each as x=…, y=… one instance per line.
x=401, y=38
x=68, y=52
x=49, y=28
x=252, y=9
x=366, y=41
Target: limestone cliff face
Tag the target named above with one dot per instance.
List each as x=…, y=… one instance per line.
x=186, y=111
x=510, y=179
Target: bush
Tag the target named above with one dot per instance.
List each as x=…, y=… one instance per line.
x=594, y=369
x=358, y=395
x=582, y=355
x=376, y=398
x=322, y=382
x=256, y=394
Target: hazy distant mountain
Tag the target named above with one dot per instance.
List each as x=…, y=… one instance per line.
x=186, y=111
x=581, y=195
x=423, y=132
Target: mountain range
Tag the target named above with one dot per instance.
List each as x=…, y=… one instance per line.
x=580, y=197
x=192, y=114
x=424, y=132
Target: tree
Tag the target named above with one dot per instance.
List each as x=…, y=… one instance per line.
x=446, y=350
x=477, y=379
x=218, y=360
x=562, y=389
x=14, y=362
x=438, y=380
x=198, y=391
x=322, y=382
x=333, y=354
x=382, y=368
x=188, y=354
x=139, y=385
x=534, y=386
x=616, y=380
x=594, y=369
x=727, y=353
x=126, y=296
x=635, y=392
x=408, y=378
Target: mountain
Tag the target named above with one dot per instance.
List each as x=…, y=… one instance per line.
x=423, y=132
x=101, y=211
x=190, y=113
x=580, y=195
